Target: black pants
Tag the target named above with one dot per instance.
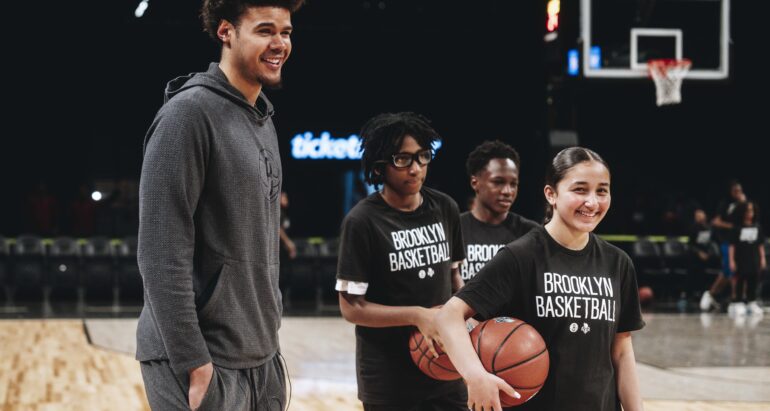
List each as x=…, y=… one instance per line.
x=749, y=281
x=454, y=401
x=261, y=388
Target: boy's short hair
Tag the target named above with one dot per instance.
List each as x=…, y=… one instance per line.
x=486, y=151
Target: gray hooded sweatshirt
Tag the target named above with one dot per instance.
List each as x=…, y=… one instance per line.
x=208, y=228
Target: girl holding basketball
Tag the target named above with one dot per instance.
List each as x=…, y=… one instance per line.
x=578, y=291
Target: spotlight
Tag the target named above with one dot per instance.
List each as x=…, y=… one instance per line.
x=141, y=8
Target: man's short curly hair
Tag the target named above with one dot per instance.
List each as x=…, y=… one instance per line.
x=214, y=11
x=486, y=151
x=382, y=136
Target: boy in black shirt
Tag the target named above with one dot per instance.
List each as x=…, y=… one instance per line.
x=493, y=168
x=399, y=253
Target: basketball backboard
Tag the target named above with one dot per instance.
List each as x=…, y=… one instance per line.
x=620, y=36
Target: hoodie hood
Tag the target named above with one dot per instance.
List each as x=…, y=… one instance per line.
x=215, y=80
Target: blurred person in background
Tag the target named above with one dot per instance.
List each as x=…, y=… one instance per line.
x=723, y=223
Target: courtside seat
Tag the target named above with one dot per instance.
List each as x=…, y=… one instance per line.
x=327, y=273
x=647, y=257
x=302, y=289
x=64, y=268
x=98, y=270
x=676, y=258
x=650, y=267
x=29, y=268
x=130, y=283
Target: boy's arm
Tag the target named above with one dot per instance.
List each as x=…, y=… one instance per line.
x=457, y=278
x=357, y=310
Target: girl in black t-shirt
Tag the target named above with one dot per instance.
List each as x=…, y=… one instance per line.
x=747, y=256
x=398, y=258
x=577, y=290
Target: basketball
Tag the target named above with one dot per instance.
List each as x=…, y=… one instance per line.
x=645, y=295
x=514, y=351
x=437, y=368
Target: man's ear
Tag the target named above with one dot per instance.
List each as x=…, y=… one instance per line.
x=224, y=31
x=475, y=184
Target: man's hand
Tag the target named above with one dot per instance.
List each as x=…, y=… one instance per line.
x=200, y=378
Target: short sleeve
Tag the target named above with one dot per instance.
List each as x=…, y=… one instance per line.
x=630, y=318
x=354, y=251
x=492, y=288
x=458, y=246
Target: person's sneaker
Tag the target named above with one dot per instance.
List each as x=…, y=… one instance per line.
x=706, y=301
x=755, y=309
x=740, y=309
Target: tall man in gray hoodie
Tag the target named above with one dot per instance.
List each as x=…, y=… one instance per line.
x=209, y=221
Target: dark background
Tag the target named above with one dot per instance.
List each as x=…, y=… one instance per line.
x=86, y=80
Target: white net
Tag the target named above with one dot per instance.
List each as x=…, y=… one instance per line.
x=668, y=75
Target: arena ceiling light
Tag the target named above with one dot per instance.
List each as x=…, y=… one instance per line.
x=141, y=8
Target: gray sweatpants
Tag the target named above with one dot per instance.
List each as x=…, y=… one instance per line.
x=255, y=389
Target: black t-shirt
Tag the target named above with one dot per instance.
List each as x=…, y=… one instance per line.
x=725, y=212
x=700, y=238
x=747, y=239
x=406, y=259
x=577, y=300
x=483, y=240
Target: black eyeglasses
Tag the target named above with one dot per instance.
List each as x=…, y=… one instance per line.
x=403, y=160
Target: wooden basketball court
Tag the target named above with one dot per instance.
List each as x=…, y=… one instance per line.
x=88, y=365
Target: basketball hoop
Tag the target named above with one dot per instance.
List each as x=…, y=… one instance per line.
x=668, y=75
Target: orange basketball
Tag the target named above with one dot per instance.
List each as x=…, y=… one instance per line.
x=438, y=368
x=514, y=351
